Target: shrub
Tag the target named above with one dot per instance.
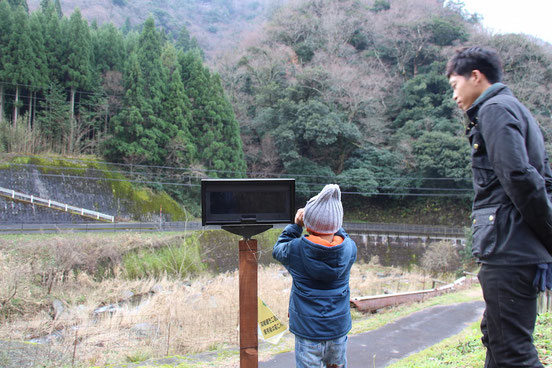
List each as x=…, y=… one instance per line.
x=466, y=252
x=441, y=257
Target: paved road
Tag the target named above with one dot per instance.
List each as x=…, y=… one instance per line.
x=394, y=341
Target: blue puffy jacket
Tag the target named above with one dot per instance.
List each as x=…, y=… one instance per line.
x=319, y=304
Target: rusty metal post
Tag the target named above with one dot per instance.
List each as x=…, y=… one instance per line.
x=249, y=344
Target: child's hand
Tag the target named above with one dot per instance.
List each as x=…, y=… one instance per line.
x=299, y=217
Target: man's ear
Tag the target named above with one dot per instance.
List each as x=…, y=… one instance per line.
x=478, y=77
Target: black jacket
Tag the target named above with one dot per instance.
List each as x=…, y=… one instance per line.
x=512, y=208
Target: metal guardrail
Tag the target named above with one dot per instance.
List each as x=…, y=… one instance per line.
x=37, y=227
x=375, y=302
x=78, y=227
x=367, y=227
x=21, y=197
x=351, y=228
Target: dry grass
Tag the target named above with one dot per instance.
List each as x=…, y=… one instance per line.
x=155, y=317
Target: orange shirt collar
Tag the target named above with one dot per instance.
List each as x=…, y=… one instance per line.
x=318, y=240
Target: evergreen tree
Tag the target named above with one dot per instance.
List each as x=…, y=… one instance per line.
x=187, y=43
x=53, y=45
x=44, y=4
x=41, y=70
x=214, y=128
x=57, y=6
x=141, y=133
x=76, y=68
x=149, y=58
x=181, y=148
x=127, y=26
x=108, y=49
x=439, y=154
x=127, y=144
x=154, y=78
x=5, y=32
x=20, y=68
x=369, y=170
x=16, y=3
x=169, y=58
x=53, y=117
x=131, y=42
x=424, y=103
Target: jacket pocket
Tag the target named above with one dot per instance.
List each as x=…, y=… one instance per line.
x=483, y=173
x=484, y=231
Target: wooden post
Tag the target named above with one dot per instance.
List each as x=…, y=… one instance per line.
x=249, y=344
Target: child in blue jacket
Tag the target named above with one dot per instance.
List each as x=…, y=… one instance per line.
x=320, y=264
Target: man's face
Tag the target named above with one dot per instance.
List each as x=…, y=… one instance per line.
x=465, y=90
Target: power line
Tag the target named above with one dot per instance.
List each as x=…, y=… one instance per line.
x=190, y=169
x=80, y=103
x=113, y=108
x=180, y=184
x=38, y=87
x=267, y=173
x=40, y=98
x=118, y=180
x=402, y=194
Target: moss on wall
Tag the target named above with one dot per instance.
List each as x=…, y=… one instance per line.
x=141, y=199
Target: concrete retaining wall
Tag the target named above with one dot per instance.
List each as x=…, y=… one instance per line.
x=95, y=195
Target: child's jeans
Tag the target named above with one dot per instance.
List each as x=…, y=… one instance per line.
x=321, y=354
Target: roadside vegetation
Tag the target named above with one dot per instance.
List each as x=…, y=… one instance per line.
x=466, y=351
x=99, y=299
x=122, y=298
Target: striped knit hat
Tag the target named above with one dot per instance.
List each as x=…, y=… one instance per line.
x=324, y=212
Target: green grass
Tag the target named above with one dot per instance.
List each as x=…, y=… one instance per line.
x=179, y=259
x=466, y=351
x=138, y=356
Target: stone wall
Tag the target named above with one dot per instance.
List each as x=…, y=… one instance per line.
x=74, y=189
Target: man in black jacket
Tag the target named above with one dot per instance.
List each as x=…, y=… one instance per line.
x=512, y=208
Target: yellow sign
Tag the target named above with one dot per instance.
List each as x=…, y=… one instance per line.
x=270, y=327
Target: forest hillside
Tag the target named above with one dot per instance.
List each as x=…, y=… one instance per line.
x=216, y=24
x=349, y=91
x=354, y=92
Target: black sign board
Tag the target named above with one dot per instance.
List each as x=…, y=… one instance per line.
x=247, y=201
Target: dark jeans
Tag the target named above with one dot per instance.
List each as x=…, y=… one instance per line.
x=510, y=315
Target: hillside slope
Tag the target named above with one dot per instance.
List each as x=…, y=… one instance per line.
x=216, y=24
x=354, y=92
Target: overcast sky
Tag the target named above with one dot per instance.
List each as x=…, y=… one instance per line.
x=533, y=17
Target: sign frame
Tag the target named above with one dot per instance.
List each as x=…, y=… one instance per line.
x=247, y=202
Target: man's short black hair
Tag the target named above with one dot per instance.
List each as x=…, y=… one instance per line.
x=467, y=59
